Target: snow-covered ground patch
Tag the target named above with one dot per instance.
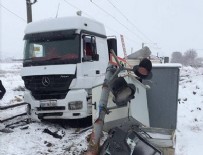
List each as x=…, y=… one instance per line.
x=12, y=81
x=35, y=139
x=190, y=112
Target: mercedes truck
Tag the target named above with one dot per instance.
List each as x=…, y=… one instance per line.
x=64, y=58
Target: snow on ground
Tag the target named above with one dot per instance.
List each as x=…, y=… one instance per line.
x=190, y=112
x=34, y=139
x=12, y=81
x=51, y=139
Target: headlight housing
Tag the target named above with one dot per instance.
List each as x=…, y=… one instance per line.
x=75, y=105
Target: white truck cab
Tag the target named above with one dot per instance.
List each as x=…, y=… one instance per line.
x=64, y=58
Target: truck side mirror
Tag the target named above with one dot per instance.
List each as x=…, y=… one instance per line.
x=112, y=44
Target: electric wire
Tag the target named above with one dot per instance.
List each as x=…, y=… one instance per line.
x=72, y=5
x=130, y=22
x=75, y=7
x=113, y=30
x=127, y=19
x=116, y=20
x=12, y=12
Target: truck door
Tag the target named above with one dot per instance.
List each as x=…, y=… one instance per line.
x=94, y=60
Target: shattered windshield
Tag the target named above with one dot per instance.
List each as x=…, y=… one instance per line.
x=52, y=48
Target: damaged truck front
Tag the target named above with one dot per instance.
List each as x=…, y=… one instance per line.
x=63, y=59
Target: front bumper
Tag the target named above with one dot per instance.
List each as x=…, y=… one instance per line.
x=60, y=109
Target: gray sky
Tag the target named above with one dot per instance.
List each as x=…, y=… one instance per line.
x=163, y=25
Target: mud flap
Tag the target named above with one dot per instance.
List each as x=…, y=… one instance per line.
x=120, y=142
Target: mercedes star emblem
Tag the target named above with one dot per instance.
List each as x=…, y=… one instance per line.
x=45, y=81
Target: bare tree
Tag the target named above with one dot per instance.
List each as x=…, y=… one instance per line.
x=199, y=62
x=189, y=57
x=176, y=57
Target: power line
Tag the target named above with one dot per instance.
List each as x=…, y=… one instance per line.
x=77, y=8
x=116, y=20
x=12, y=13
x=73, y=6
x=129, y=20
x=86, y=13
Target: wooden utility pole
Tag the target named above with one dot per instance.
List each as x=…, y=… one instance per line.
x=29, y=10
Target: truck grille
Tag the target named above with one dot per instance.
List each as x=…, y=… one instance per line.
x=48, y=86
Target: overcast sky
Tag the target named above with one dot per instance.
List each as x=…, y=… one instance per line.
x=164, y=26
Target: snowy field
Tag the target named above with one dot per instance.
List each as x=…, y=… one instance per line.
x=53, y=139
x=190, y=112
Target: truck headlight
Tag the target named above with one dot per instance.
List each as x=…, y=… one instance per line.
x=75, y=105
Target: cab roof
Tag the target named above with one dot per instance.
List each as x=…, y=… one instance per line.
x=66, y=23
